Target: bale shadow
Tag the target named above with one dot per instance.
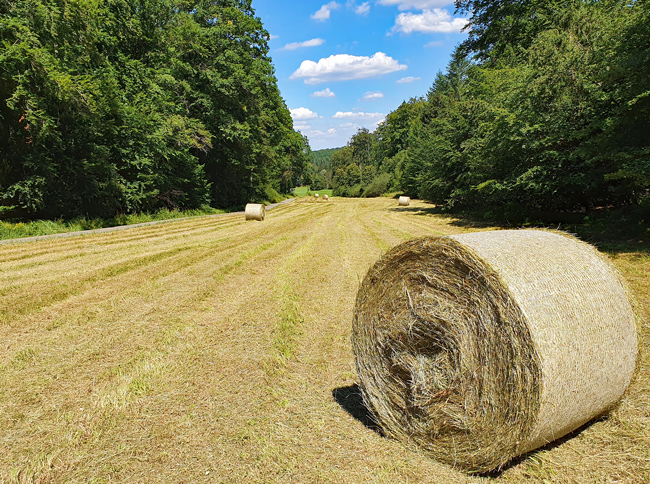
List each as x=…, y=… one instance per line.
x=551, y=445
x=351, y=400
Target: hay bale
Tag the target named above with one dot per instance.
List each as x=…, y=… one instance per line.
x=315, y=195
x=255, y=211
x=481, y=347
x=326, y=197
x=404, y=201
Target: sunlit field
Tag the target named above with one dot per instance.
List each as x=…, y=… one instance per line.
x=218, y=350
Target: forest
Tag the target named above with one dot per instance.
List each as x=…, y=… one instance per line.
x=124, y=106
x=544, y=108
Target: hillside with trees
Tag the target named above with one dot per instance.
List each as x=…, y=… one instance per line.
x=545, y=107
x=122, y=106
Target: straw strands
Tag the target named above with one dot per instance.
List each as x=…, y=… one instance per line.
x=404, y=201
x=255, y=211
x=481, y=347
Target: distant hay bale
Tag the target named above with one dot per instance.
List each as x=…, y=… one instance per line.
x=481, y=347
x=404, y=201
x=315, y=195
x=325, y=197
x=255, y=211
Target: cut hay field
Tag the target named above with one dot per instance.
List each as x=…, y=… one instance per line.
x=218, y=350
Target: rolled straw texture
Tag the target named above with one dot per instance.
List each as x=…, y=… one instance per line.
x=404, y=201
x=255, y=211
x=481, y=347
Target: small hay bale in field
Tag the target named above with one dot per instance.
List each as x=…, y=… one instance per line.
x=404, y=201
x=481, y=347
x=326, y=197
x=255, y=211
x=315, y=195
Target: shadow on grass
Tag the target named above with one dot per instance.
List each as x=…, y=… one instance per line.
x=607, y=231
x=350, y=399
x=550, y=446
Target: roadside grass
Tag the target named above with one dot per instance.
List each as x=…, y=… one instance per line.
x=17, y=229
x=218, y=350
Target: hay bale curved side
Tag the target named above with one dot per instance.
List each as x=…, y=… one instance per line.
x=481, y=347
x=404, y=201
x=255, y=211
x=326, y=197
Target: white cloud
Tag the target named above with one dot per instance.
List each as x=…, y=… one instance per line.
x=406, y=80
x=306, y=43
x=301, y=113
x=317, y=133
x=362, y=9
x=301, y=125
x=345, y=67
x=436, y=20
x=324, y=93
x=358, y=115
x=324, y=12
x=372, y=96
x=273, y=37
x=435, y=43
x=416, y=4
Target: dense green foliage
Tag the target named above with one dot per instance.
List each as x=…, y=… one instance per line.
x=319, y=170
x=546, y=107
x=114, y=106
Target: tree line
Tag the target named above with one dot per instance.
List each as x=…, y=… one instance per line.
x=120, y=106
x=545, y=107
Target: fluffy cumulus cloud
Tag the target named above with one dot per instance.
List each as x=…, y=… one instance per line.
x=301, y=114
x=324, y=93
x=358, y=115
x=345, y=67
x=416, y=4
x=306, y=43
x=372, y=96
x=407, y=80
x=362, y=9
x=429, y=21
x=319, y=133
x=301, y=125
x=324, y=12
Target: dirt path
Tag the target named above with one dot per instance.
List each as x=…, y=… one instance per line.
x=217, y=350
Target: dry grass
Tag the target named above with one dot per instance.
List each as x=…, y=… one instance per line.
x=214, y=350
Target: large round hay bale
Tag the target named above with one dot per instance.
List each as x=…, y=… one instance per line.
x=315, y=195
x=483, y=346
x=404, y=201
x=255, y=211
x=326, y=197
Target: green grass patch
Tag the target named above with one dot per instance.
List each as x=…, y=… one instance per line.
x=306, y=192
x=16, y=229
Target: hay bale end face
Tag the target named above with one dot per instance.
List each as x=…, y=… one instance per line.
x=315, y=195
x=255, y=211
x=404, y=201
x=326, y=197
x=481, y=347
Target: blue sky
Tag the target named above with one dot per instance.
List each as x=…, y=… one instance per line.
x=345, y=64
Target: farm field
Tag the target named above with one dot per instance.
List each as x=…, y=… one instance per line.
x=218, y=350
